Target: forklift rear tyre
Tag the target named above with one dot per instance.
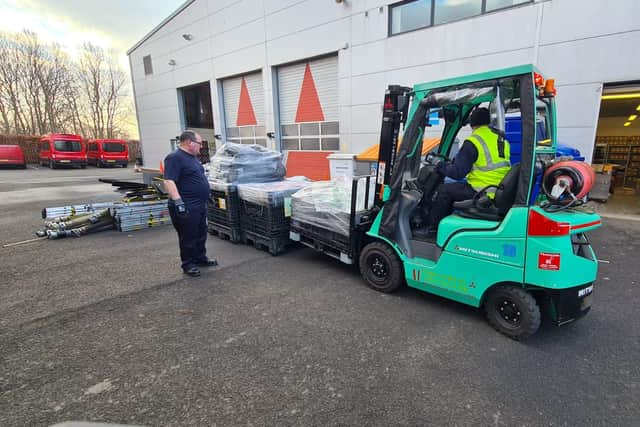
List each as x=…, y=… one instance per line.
x=512, y=311
x=381, y=267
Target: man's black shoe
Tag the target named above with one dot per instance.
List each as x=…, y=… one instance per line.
x=209, y=262
x=192, y=271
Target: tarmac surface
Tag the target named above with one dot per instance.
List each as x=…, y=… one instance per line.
x=107, y=328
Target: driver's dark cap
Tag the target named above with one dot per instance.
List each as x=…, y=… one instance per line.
x=479, y=117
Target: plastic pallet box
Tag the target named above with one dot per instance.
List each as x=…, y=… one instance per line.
x=333, y=217
x=265, y=208
x=223, y=211
x=224, y=204
x=275, y=245
x=269, y=221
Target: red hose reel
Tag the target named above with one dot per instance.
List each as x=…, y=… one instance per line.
x=566, y=182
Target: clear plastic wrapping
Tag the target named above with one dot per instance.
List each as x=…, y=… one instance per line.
x=460, y=96
x=240, y=163
x=271, y=193
x=327, y=204
x=221, y=185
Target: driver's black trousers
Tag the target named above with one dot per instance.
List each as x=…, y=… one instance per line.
x=446, y=195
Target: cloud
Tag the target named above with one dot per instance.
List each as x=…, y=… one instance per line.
x=114, y=24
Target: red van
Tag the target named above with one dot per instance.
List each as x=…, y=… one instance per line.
x=108, y=152
x=62, y=149
x=12, y=155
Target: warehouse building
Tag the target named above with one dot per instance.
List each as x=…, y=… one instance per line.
x=309, y=75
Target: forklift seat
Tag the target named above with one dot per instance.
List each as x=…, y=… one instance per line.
x=483, y=207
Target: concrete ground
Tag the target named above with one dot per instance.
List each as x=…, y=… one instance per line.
x=106, y=328
x=621, y=204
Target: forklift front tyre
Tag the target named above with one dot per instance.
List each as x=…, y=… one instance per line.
x=512, y=311
x=381, y=268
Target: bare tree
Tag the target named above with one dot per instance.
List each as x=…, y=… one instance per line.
x=10, y=76
x=42, y=90
x=103, y=84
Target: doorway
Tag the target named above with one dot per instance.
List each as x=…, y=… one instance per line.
x=616, y=154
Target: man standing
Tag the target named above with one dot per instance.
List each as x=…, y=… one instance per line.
x=188, y=190
x=483, y=159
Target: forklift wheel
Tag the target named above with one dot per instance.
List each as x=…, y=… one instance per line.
x=512, y=311
x=381, y=267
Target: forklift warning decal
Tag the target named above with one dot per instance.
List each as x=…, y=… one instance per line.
x=445, y=281
x=548, y=261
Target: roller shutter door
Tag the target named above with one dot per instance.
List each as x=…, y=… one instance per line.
x=244, y=109
x=308, y=101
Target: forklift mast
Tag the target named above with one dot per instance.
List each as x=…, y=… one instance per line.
x=394, y=114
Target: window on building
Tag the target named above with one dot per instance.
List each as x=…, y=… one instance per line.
x=449, y=11
x=148, y=68
x=492, y=5
x=410, y=15
x=197, y=106
x=323, y=136
x=247, y=135
x=308, y=104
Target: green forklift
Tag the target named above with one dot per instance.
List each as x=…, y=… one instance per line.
x=518, y=255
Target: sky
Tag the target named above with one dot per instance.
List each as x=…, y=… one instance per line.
x=115, y=25
x=111, y=24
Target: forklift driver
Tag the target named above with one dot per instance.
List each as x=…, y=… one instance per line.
x=482, y=162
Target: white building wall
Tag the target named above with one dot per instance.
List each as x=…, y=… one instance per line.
x=581, y=43
x=584, y=46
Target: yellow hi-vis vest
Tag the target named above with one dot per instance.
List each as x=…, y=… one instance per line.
x=489, y=168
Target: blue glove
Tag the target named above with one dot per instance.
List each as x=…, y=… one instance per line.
x=181, y=208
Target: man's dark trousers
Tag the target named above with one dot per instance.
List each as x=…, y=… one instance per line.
x=447, y=194
x=192, y=234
